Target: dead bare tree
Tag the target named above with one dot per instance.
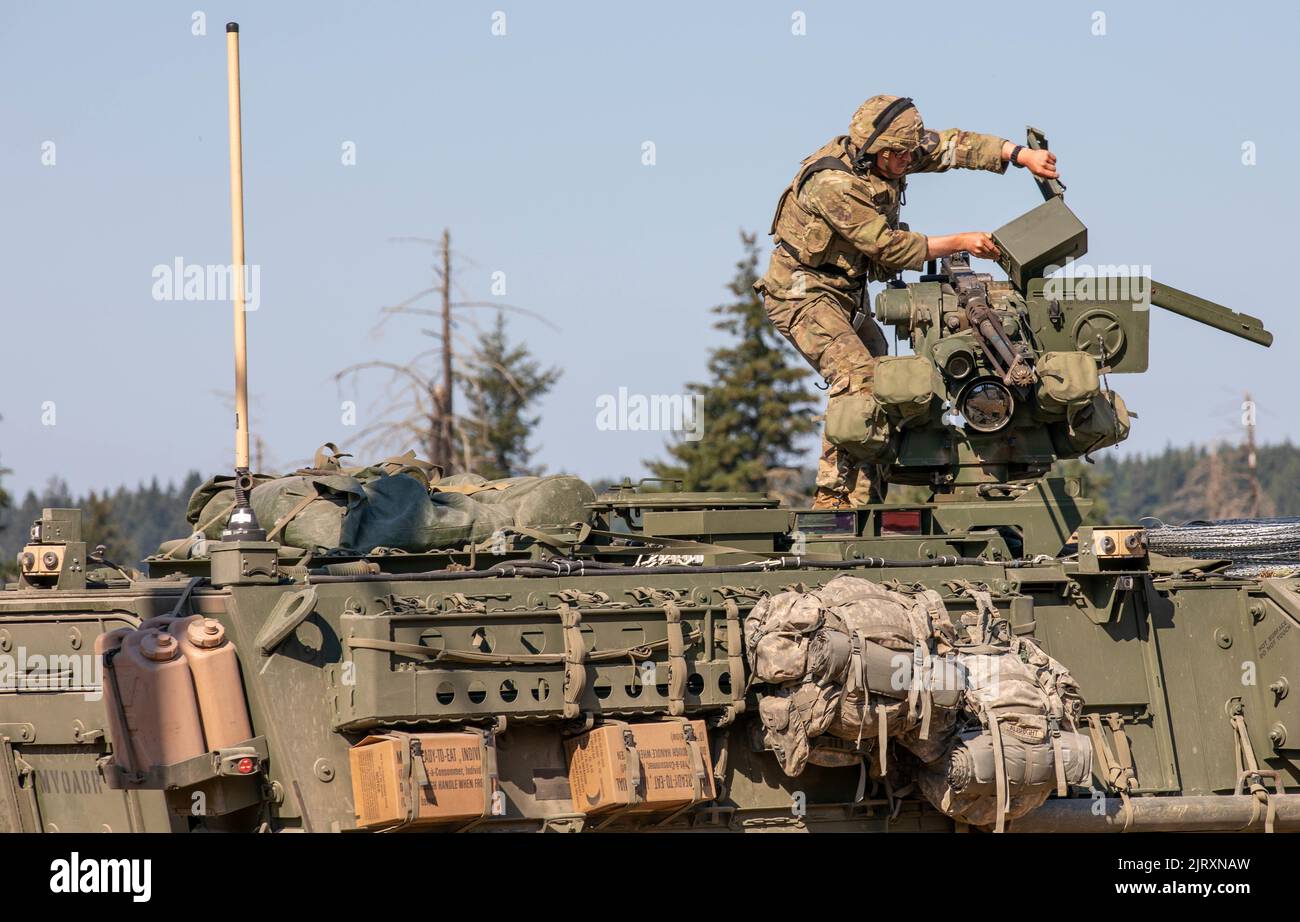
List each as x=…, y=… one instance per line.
x=418, y=406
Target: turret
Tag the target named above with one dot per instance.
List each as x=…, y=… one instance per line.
x=1008, y=377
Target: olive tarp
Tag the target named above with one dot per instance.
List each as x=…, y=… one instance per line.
x=400, y=504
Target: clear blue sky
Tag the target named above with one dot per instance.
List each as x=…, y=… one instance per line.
x=528, y=146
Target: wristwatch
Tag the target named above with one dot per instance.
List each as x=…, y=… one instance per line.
x=1015, y=153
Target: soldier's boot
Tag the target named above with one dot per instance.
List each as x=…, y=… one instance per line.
x=826, y=498
x=865, y=489
x=832, y=492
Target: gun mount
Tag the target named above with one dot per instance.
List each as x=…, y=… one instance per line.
x=1009, y=377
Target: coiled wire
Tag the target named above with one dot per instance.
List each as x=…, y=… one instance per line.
x=1256, y=547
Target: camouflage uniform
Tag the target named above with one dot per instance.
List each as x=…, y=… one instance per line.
x=837, y=226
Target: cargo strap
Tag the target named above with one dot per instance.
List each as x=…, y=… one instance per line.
x=581, y=532
x=312, y=495
x=882, y=737
x=327, y=458
x=124, y=751
x=1003, y=792
x=863, y=777
x=1116, y=772
x=635, y=775
x=735, y=666
x=639, y=652
x=469, y=489
x=491, y=777
x=1058, y=760
x=698, y=775
x=980, y=628
x=414, y=780
x=588, y=598
x=926, y=607
x=856, y=682
x=682, y=545
x=1250, y=777
x=200, y=529
x=575, y=659
x=920, y=701
x=720, y=765
x=676, y=660
x=1123, y=751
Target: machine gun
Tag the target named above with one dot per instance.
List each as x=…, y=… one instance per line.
x=1009, y=377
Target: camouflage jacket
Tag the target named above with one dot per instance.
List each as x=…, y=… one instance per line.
x=833, y=229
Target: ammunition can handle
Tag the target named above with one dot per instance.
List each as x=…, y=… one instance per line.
x=1050, y=188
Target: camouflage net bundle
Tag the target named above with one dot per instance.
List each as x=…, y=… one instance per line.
x=986, y=719
x=401, y=504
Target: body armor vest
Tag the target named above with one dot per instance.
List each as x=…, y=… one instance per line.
x=808, y=237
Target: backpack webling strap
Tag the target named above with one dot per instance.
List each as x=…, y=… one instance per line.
x=800, y=180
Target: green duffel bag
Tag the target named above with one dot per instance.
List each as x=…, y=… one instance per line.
x=1066, y=380
x=556, y=499
x=859, y=425
x=909, y=387
x=1100, y=423
x=472, y=509
x=388, y=505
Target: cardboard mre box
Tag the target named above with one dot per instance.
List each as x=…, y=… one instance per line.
x=598, y=767
x=389, y=788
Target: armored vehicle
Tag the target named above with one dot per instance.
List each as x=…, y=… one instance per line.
x=676, y=661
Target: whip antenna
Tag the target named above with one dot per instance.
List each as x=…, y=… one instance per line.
x=242, y=525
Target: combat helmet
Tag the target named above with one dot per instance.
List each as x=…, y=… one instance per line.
x=885, y=123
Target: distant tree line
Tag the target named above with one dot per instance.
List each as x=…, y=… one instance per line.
x=130, y=523
x=1180, y=485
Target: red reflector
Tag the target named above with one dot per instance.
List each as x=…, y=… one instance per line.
x=246, y=765
x=901, y=522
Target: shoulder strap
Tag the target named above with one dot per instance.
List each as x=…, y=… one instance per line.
x=816, y=166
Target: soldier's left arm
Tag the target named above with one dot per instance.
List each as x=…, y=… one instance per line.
x=969, y=150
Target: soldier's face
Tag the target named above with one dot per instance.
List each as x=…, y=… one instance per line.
x=893, y=164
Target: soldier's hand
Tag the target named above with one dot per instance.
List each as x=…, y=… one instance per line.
x=1042, y=163
x=979, y=243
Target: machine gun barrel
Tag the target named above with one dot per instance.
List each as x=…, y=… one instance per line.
x=1209, y=313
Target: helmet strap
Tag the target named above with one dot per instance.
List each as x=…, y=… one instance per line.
x=882, y=121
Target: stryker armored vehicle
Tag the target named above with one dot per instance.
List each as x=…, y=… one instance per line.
x=649, y=659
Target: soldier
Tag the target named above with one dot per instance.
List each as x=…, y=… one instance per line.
x=836, y=226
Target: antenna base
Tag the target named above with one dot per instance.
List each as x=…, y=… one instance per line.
x=242, y=524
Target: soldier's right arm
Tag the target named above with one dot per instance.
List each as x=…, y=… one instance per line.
x=841, y=201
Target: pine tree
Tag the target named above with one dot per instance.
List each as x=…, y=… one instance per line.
x=757, y=407
x=5, y=500
x=6, y=566
x=100, y=526
x=502, y=382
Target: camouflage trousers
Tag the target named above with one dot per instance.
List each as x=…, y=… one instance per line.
x=820, y=328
